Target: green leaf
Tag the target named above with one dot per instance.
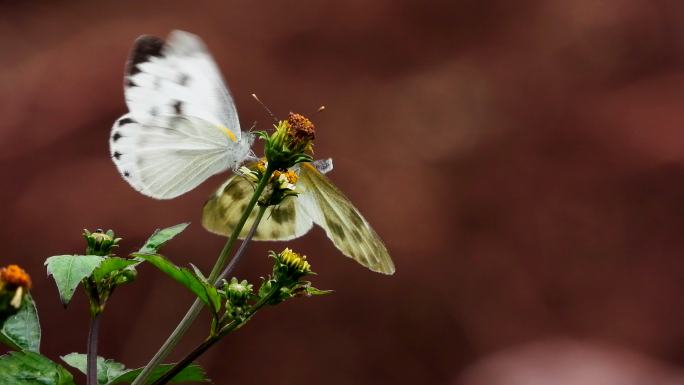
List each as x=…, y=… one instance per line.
x=203, y=290
x=160, y=237
x=29, y=368
x=110, y=372
x=69, y=270
x=22, y=330
x=111, y=265
x=107, y=370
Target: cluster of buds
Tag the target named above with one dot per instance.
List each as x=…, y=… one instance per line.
x=291, y=142
x=14, y=285
x=100, y=243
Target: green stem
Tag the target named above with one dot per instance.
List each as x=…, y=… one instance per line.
x=91, y=357
x=197, y=306
x=243, y=246
x=209, y=342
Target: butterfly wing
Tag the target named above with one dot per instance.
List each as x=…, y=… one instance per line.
x=280, y=223
x=182, y=126
x=167, y=157
x=342, y=222
x=178, y=77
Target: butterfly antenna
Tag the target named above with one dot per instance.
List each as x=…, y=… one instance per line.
x=265, y=108
x=320, y=109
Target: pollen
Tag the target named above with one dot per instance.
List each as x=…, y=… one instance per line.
x=261, y=166
x=301, y=128
x=16, y=276
x=294, y=260
x=291, y=177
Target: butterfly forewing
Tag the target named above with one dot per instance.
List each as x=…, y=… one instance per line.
x=342, y=222
x=182, y=126
x=178, y=77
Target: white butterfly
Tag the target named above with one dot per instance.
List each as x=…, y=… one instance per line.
x=182, y=126
x=319, y=202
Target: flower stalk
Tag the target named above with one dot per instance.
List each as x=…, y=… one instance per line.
x=220, y=264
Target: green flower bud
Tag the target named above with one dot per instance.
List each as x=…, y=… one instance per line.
x=100, y=243
x=238, y=292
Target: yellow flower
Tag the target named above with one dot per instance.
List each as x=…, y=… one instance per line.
x=295, y=261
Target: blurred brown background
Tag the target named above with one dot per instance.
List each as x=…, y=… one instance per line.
x=523, y=161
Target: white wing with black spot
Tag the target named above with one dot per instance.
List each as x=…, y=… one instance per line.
x=182, y=126
x=167, y=157
x=178, y=77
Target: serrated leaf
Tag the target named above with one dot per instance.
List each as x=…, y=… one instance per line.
x=204, y=291
x=107, y=370
x=29, y=368
x=111, y=264
x=69, y=270
x=110, y=372
x=22, y=330
x=160, y=237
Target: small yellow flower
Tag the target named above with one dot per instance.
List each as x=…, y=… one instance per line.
x=261, y=165
x=295, y=261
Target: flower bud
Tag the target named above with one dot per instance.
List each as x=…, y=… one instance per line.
x=238, y=292
x=100, y=243
x=290, y=265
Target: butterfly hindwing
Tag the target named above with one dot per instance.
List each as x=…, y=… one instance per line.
x=223, y=210
x=342, y=222
x=167, y=157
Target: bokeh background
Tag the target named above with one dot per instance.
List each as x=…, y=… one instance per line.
x=523, y=160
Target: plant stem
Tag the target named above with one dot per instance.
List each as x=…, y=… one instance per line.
x=243, y=246
x=91, y=362
x=209, y=342
x=197, y=306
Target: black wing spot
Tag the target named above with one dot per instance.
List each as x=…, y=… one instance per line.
x=281, y=215
x=183, y=79
x=154, y=111
x=144, y=48
x=117, y=135
x=130, y=83
x=126, y=174
x=335, y=228
x=237, y=193
x=125, y=121
x=355, y=218
x=178, y=107
x=117, y=155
